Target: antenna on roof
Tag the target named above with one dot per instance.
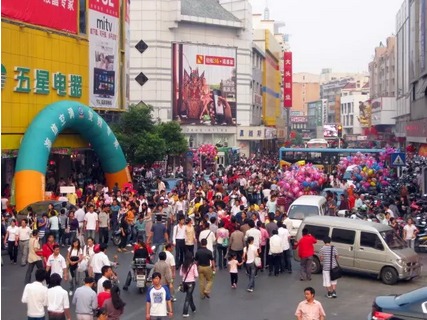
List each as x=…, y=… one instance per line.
x=266, y=11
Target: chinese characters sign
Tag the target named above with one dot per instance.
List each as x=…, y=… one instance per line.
x=103, y=53
x=287, y=80
x=215, y=61
x=43, y=82
x=56, y=14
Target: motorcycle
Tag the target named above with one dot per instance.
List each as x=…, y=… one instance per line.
x=116, y=237
x=140, y=274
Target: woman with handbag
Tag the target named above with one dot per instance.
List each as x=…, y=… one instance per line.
x=250, y=253
x=189, y=274
x=74, y=257
x=329, y=256
x=34, y=256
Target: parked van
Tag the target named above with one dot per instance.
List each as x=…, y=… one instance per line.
x=305, y=206
x=364, y=246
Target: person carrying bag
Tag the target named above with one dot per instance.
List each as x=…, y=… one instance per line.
x=189, y=268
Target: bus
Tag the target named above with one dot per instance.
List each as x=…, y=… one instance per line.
x=323, y=158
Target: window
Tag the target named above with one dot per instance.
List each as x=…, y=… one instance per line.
x=299, y=212
x=370, y=240
x=319, y=233
x=343, y=236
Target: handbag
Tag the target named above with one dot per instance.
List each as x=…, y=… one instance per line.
x=225, y=243
x=335, y=272
x=39, y=251
x=181, y=287
x=258, y=262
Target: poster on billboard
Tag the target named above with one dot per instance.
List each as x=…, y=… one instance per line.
x=204, y=84
x=287, y=80
x=126, y=74
x=330, y=131
x=60, y=15
x=104, y=30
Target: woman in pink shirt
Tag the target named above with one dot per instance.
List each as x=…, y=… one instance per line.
x=263, y=242
x=189, y=274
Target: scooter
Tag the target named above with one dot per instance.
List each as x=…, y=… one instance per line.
x=116, y=237
x=140, y=274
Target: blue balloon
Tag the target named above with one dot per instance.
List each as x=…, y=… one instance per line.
x=305, y=184
x=314, y=184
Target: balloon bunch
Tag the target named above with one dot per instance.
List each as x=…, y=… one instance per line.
x=206, y=151
x=301, y=180
x=365, y=170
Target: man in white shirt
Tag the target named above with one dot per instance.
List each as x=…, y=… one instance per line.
x=80, y=216
x=91, y=223
x=255, y=233
x=99, y=260
x=24, y=234
x=285, y=236
x=160, y=185
x=170, y=260
x=58, y=304
x=178, y=240
x=276, y=251
x=35, y=296
x=208, y=235
x=56, y=263
x=107, y=274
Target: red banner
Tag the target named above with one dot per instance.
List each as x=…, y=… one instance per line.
x=287, y=80
x=110, y=7
x=56, y=14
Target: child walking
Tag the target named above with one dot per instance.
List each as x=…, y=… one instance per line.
x=233, y=263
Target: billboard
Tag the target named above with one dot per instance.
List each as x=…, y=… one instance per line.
x=204, y=84
x=104, y=30
x=56, y=14
x=330, y=131
x=287, y=80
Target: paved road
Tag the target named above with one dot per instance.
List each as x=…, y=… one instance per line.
x=273, y=298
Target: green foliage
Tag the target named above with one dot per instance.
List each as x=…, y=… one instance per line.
x=171, y=132
x=298, y=140
x=143, y=141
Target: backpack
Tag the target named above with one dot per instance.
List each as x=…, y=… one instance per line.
x=225, y=242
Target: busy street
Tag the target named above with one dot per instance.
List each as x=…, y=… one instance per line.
x=213, y=159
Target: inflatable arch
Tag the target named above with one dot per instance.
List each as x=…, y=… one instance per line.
x=39, y=138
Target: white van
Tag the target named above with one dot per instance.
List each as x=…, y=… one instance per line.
x=363, y=246
x=305, y=206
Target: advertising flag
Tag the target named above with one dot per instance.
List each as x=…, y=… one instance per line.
x=104, y=36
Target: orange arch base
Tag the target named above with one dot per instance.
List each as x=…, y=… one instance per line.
x=30, y=185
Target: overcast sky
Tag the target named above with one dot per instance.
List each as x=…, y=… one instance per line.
x=337, y=34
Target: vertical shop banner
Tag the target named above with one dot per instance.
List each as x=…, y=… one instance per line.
x=126, y=74
x=287, y=80
x=204, y=84
x=56, y=14
x=104, y=37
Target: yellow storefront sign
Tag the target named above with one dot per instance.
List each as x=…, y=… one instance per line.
x=39, y=68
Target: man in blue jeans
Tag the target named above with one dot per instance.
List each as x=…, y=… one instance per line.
x=158, y=236
x=35, y=296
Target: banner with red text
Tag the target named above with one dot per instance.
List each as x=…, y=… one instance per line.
x=287, y=80
x=56, y=14
x=104, y=37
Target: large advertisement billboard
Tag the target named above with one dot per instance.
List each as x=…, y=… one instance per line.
x=104, y=31
x=56, y=14
x=204, y=84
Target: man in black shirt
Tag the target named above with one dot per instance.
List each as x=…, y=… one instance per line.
x=206, y=263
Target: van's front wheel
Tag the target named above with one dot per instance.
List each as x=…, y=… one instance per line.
x=316, y=267
x=389, y=275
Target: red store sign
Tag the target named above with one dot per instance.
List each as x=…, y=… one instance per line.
x=417, y=128
x=287, y=80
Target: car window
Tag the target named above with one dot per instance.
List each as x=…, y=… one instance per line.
x=370, y=240
x=317, y=231
x=299, y=212
x=343, y=236
x=393, y=240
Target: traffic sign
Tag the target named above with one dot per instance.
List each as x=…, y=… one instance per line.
x=398, y=159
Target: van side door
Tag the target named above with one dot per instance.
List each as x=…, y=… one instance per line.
x=343, y=240
x=370, y=254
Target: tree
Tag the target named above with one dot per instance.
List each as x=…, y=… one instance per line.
x=143, y=141
x=171, y=132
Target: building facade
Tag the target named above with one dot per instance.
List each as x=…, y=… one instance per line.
x=55, y=53
x=305, y=88
x=192, y=62
x=402, y=73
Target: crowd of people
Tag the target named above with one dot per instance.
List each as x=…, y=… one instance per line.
x=229, y=220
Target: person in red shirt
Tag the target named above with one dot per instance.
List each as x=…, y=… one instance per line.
x=305, y=252
x=102, y=296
